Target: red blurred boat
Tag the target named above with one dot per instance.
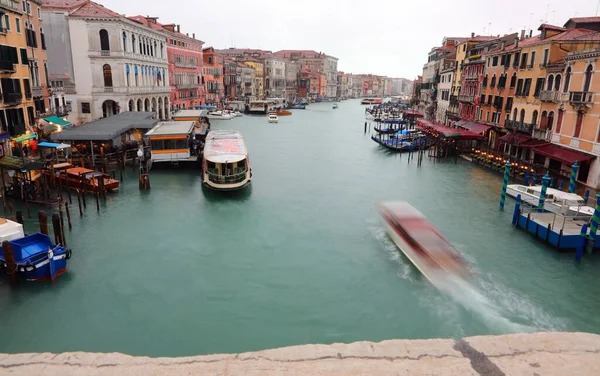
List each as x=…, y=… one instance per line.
x=78, y=177
x=423, y=245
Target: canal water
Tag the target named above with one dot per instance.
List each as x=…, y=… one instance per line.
x=298, y=258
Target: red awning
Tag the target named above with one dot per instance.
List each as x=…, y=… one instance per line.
x=561, y=154
x=412, y=113
x=448, y=132
x=533, y=143
x=475, y=127
x=510, y=138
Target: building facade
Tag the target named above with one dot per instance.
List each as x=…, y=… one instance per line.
x=259, y=76
x=213, y=76
x=117, y=64
x=292, y=70
x=274, y=76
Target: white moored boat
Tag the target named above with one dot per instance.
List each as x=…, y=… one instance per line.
x=273, y=118
x=226, y=166
x=422, y=244
x=219, y=115
x=556, y=201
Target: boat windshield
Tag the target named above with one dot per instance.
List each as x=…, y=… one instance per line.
x=430, y=241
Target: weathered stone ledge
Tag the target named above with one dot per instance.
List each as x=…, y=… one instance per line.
x=514, y=354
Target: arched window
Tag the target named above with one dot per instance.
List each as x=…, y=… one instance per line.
x=515, y=114
x=124, y=42
x=550, y=83
x=567, y=80
x=132, y=42
x=534, y=117
x=493, y=83
x=107, y=75
x=522, y=117
x=513, y=80
x=550, y=121
x=587, y=80
x=154, y=50
x=544, y=120
x=104, y=43
x=557, y=83
x=161, y=51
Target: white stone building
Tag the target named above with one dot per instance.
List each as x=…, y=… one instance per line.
x=117, y=64
x=274, y=77
x=331, y=73
x=291, y=80
x=445, y=90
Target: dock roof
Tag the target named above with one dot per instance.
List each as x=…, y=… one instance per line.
x=172, y=128
x=107, y=129
x=189, y=113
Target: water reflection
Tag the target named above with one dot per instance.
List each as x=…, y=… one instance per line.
x=213, y=196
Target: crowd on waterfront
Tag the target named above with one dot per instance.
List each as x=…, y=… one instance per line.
x=531, y=96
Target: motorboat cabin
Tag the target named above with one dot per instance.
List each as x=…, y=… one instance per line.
x=226, y=166
x=174, y=142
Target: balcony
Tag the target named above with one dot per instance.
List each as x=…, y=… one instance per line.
x=10, y=4
x=7, y=66
x=70, y=89
x=62, y=110
x=543, y=65
x=37, y=91
x=542, y=134
x=3, y=30
x=187, y=86
x=518, y=126
x=550, y=96
x=181, y=64
x=11, y=99
x=581, y=97
x=104, y=53
x=466, y=98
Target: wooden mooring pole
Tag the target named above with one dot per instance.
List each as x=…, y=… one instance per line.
x=57, y=230
x=12, y=217
x=68, y=215
x=79, y=202
x=62, y=222
x=11, y=265
x=20, y=217
x=43, y=218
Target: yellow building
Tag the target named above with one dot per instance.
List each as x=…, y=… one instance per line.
x=259, y=75
x=14, y=73
x=36, y=53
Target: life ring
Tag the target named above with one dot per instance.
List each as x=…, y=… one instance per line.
x=69, y=253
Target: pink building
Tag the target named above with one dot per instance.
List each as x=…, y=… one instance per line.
x=185, y=64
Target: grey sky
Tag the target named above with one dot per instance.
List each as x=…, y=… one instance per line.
x=386, y=37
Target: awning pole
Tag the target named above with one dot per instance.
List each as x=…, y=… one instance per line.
x=92, y=148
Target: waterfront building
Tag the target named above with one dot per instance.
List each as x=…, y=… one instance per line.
x=447, y=71
x=60, y=86
x=213, y=76
x=292, y=69
x=232, y=79
x=259, y=75
x=116, y=64
x=357, y=86
x=185, y=63
x=274, y=76
x=248, y=78
x=319, y=64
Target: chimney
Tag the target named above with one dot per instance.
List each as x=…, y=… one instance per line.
x=187, y=34
x=522, y=34
x=178, y=29
x=530, y=33
x=516, y=42
x=472, y=35
x=194, y=35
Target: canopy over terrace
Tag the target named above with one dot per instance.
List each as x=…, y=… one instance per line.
x=412, y=113
x=443, y=131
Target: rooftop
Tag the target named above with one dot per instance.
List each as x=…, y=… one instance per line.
x=63, y=4
x=170, y=128
x=583, y=20
x=91, y=9
x=108, y=128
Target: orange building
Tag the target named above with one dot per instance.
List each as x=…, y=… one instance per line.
x=212, y=76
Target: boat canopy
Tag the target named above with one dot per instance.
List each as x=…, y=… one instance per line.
x=225, y=147
x=58, y=121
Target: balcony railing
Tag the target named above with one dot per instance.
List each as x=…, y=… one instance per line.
x=542, y=134
x=181, y=64
x=104, y=53
x=550, y=96
x=108, y=89
x=57, y=89
x=7, y=66
x=466, y=98
x=10, y=4
x=519, y=126
x=37, y=91
x=62, y=110
x=581, y=97
x=187, y=86
x=451, y=113
x=12, y=98
x=70, y=90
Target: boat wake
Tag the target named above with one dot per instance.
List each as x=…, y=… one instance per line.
x=495, y=305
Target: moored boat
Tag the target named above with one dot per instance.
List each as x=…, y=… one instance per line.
x=226, y=166
x=35, y=257
x=273, y=118
x=423, y=245
x=335, y=106
x=556, y=201
x=371, y=101
x=298, y=106
x=93, y=181
x=283, y=113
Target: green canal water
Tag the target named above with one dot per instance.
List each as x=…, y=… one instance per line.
x=298, y=258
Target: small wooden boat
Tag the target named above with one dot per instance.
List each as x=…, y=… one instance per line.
x=35, y=257
x=422, y=244
x=283, y=112
x=93, y=181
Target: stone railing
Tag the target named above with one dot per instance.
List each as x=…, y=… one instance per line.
x=581, y=97
x=466, y=98
x=542, y=134
x=519, y=126
x=550, y=96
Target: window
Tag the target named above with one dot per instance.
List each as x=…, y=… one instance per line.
x=104, y=42
x=39, y=11
x=567, y=80
x=539, y=85
x=493, y=83
x=546, y=52
x=578, y=124
x=495, y=61
x=107, y=71
x=532, y=59
x=559, y=120
x=516, y=61
x=29, y=9
x=557, y=83
x=18, y=25
x=519, y=91
x=513, y=80
x=43, y=38
x=587, y=78
x=27, y=87
x=24, y=58
x=7, y=22
x=523, y=61
x=527, y=87
x=550, y=83
x=30, y=115
x=124, y=42
x=85, y=108
x=534, y=117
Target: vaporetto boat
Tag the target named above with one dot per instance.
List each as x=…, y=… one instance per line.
x=226, y=166
x=556, y=201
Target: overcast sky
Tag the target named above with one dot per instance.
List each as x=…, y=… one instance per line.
x=385, y=37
